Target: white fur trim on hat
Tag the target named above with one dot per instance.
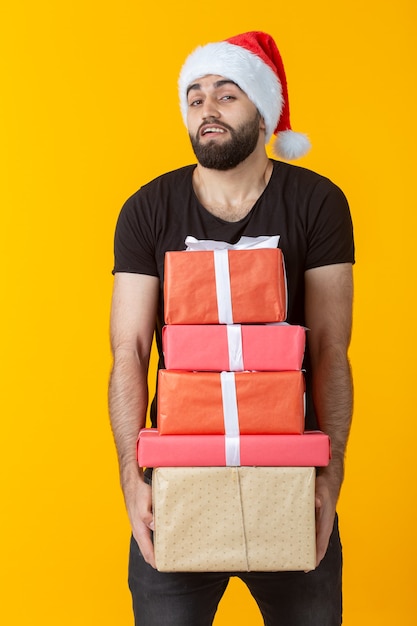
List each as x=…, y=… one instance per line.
x=246, y=69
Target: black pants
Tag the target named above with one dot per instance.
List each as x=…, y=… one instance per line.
x=284, y=598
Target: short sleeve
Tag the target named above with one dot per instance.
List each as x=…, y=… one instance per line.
x=329, y=227
x=134, y=247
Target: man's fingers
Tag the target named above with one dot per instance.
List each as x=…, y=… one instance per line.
x=145, y=544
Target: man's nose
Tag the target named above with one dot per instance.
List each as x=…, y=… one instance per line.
x=210, y=108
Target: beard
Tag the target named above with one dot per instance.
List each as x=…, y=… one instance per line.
x=229, y=154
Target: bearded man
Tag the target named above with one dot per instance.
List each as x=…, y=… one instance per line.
x=233, y=98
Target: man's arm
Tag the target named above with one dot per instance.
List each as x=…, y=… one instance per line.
x=134, y=306
x=329, y=294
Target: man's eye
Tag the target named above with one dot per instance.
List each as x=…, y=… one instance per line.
x=227, y=98
x=195, y=103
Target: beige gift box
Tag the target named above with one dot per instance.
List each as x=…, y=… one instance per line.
x=234, y=518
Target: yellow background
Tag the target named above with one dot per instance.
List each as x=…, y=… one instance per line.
x=89, y=113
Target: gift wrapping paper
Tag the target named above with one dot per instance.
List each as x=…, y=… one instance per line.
x=225, y=286
x=233, y=347
x=234, y=519
x=312, y=448
x=230, y=403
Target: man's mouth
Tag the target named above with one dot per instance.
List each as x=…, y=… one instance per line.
x=212, y=130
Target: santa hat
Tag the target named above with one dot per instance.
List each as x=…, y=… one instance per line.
x=253, y=62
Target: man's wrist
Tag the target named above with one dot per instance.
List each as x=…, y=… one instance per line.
x=333, y=475
x=130, y=474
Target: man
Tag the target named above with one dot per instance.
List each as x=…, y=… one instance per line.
x=233, y=98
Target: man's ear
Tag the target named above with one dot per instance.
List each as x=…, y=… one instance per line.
x=262, y=125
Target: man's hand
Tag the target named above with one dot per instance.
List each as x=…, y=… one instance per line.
x=139, y=508
x=326, y=499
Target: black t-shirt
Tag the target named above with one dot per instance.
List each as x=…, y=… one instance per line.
x=308, y=212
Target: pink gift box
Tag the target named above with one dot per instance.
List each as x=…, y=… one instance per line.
x=262, y=347
x=311, y=449
x=225, y=402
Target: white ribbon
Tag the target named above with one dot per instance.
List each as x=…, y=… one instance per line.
x=231, y=419
x=223, y=291
x=234, y=344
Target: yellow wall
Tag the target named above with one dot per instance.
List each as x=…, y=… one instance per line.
x=89, y=113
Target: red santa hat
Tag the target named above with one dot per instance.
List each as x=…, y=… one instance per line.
x=253, y=62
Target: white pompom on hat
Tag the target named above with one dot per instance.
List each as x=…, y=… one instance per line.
x=253, y=62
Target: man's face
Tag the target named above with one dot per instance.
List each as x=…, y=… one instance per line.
x=223, y=123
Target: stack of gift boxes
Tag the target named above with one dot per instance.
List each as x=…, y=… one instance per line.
x=234, y=469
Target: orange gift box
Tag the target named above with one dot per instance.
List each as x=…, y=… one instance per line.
x=230, y=403
x=197, y=292
x=219, y=347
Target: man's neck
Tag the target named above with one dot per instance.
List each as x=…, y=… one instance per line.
x=231, y=194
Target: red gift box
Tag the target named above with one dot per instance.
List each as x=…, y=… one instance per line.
x=311, y=449
x=230, y=403
x=262, y=347
x=224, y=286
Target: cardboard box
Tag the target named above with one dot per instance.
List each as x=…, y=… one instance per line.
x=225, y=287
x=234, y=519
x=307, y=450
x=230, y=403
x=262, y=347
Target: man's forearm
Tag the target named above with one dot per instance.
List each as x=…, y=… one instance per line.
x=128, y=400
x=333, y=401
